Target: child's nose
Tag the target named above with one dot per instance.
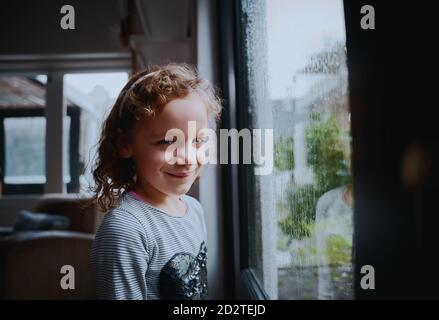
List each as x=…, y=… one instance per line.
x=187, y=154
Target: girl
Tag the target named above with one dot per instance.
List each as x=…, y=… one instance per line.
x=152, y=243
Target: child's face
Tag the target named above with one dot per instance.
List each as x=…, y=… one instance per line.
x=149, y=146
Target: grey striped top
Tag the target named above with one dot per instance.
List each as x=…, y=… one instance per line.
x=142, y=252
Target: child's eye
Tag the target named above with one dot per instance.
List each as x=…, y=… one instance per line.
x=166, y=142
x=200, y=141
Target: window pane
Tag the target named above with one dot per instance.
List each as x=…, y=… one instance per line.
x=296, y=69
x=89, y=96
x=25, y=151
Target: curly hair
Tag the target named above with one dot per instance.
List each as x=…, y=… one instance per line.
x=142, y=97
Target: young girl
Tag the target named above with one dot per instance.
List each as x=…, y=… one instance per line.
x=152, y=243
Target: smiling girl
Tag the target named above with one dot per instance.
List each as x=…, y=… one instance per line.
x=152, y=242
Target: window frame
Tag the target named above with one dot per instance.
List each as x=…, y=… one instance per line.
x=240, y=280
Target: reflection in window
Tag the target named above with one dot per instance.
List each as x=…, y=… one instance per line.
x=304, y=83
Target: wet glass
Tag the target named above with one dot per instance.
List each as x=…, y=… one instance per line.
x=300, y=224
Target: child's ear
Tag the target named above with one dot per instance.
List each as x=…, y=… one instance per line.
x=126, y=152
x=124, y=148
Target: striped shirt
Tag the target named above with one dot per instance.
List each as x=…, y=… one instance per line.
x=142, y=252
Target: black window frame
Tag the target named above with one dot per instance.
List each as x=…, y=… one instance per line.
x=240, y=279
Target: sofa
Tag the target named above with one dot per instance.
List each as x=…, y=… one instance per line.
x=31, y=262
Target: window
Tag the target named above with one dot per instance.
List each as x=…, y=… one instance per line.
x=23, y=134
x=299, y=224
x=94, y=94
x=23, y=126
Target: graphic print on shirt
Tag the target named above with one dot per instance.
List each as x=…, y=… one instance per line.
x=184, y=276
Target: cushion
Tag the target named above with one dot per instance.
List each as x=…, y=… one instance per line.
x=40, y=221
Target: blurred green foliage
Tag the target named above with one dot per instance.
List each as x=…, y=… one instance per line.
x=329, y=161
x=338, y=250
x=300, y=207
x=284, y=154
x=326, y=154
